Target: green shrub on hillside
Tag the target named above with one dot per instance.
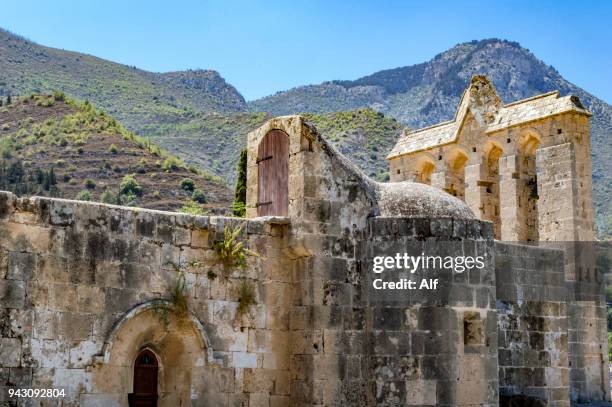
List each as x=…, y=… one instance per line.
x=89, y=183
x=128, y=200
x=198, y=196
x=193, y=208
x=129, y=186
x=46, y=178
x=142, y=166
x=6, y=148
x=83, y=196
x=108, y=197
x=59, y=96
x=171, y=164
x=187, y=184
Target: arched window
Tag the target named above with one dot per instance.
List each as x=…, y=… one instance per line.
x=273, y=174
x=455, y=184
x=491, y=199
x=528, y=187
x=146, y=369
x=424, y=171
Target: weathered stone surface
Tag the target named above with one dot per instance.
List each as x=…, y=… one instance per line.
x=10, y=352
x=12, y=293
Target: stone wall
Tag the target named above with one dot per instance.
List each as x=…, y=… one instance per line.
x=349, y=344
x=432, y=347
x=82, y=288
x=587, y=316
x=532, y=323
x=357, y=346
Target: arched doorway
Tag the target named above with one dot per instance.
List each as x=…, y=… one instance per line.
x=273, y=174
x=181, y=347
x=146, y=369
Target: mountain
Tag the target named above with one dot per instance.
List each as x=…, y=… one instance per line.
x=424, y=94
x=133, y=96
x=213, y=141
x=54, y=146
x=198, y=116
x=427, y=93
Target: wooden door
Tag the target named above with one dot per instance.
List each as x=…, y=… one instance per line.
x=145, y=380
x=273, y=174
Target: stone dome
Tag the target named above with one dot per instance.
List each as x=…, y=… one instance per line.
x=414, y=200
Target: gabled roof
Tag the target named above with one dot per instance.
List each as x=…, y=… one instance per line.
x=491, y=116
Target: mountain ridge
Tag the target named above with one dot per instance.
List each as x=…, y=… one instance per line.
x=424, y=94
x=133, y=95
x=199, y=116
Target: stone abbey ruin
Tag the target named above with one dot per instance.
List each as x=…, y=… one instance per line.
x=123, y=306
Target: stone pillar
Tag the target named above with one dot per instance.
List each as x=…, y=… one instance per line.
x=300, y=146
x=509, y=198
x=438, y=179
x=562, y=205
x=557, y=193
x=474, y=191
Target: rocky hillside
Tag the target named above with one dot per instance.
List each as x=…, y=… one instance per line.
x=213, y=141
x=364, y=135
x=424, y=94
x=198, y=116
x=427, y=93
x=53, y=146
x=135, y=97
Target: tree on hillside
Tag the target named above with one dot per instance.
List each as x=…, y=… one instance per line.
x=239, y=205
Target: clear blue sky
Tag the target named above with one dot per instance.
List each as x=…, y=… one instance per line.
x=263, y=47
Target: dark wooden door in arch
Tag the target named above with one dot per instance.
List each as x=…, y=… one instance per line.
x=146, y=369
x=273, y=174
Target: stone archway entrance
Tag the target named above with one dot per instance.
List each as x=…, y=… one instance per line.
x=146, y=369
x=273, y=174
x=145, y=355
